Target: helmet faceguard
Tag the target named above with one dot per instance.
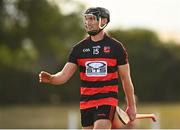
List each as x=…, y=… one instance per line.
x=99, y=13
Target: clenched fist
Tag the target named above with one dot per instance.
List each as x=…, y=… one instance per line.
x=45, y=77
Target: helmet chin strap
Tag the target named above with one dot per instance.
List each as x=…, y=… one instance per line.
x=95, y=32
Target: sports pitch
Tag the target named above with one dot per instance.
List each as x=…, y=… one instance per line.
x=56, y=116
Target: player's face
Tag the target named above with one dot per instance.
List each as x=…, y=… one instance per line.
x=91, y=23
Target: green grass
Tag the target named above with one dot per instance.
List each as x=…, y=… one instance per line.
x=57, y=116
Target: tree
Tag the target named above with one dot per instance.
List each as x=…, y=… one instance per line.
x=34, y=35
x=154, y=64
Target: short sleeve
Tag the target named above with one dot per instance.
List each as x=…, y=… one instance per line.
x=73, y=55
x=122, y=56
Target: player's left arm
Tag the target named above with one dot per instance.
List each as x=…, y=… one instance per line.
x=124, y=72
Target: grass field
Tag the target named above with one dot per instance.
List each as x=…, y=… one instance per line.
x=57, y=116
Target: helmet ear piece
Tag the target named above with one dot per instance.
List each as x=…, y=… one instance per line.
x=105, y=13
x=101, y=27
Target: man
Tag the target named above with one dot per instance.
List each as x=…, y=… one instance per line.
x=101, y=60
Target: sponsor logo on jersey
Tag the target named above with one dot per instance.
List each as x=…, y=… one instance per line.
x=96, y=68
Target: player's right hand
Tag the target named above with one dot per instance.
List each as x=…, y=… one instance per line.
x=45, y=77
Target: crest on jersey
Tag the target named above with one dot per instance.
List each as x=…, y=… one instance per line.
x=107, y=49
x=96, y=68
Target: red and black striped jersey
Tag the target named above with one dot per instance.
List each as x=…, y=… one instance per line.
x=98, y=65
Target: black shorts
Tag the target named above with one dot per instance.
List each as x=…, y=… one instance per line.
x=90, y=115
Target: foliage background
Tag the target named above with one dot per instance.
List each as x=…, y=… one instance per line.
x=37, y=35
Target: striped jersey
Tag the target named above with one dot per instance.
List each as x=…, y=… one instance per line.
x=98, y=65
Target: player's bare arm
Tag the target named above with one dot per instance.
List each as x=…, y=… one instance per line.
x=59, y=78
x=124, y=72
